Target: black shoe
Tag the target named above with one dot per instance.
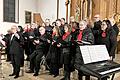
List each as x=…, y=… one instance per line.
x=50, y=73
x=36, y=74
x=12, y=74
x=55, y=75
x=62, y=79
x=47, y=68
x=30, y=71
x=16, y=76
x=7, y=60
x=27, y=59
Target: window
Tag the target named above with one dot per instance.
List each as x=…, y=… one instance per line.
x=11, y=9
x=27, y=17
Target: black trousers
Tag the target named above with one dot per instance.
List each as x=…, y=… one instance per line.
x=7, y=52
x=105, y=78
x=81, y=74
x=32, y=60
x=8, y=57
x=54, y=68
x=65, y=59
x=27, y=51
x=16, y=61
x=35, y=59
x=67, y=71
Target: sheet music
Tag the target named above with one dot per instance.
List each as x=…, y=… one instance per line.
x=94, y=53
x=85, y=54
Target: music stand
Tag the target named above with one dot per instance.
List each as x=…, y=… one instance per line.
x=43, y=62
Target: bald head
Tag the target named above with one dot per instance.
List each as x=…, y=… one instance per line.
x=72, y=19
x=97, y=16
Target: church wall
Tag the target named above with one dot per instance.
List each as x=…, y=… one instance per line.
x=95, y=7
x=48, y=9
x=4, y=26
x=24, y=5
x=1, y=10
x=62, y=9
x=106, y=8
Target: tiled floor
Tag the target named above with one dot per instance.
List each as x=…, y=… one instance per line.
x=7, y=69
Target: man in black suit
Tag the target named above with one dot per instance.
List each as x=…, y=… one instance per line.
x=16, y=43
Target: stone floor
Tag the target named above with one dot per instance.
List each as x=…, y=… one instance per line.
x=6, y=69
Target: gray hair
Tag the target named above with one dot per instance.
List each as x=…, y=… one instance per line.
x=83, y=21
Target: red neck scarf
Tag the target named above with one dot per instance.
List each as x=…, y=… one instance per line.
x=53, y=34
x=73, y=30
x=65, y=35
x=27, y=30
x=79, y=38
x=103, y=34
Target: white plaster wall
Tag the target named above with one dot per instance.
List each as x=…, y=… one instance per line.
x=62, y=9
x=24, y=5
x=48, y=9
x=1, y=10
x=4, y=26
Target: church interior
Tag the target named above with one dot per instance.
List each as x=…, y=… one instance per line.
x=35, y=12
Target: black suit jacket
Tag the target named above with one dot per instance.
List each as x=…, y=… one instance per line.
x=16, y=44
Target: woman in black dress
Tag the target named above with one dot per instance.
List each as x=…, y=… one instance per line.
x=54, y=52
x=65, y=51
x=107, y=36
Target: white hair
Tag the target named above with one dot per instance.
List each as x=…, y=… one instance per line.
x=83, y=21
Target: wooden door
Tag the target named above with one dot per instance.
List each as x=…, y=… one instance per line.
x=37, y=18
